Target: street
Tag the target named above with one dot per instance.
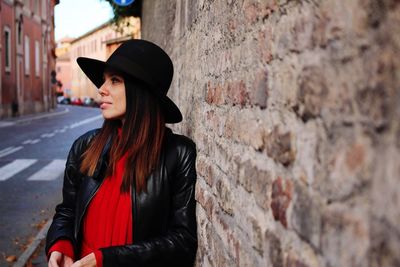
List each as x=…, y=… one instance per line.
x=33, y=151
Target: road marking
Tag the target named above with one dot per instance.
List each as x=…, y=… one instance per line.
x=15, y=167
x=50, y=172
x=47, y=135
x=30, y=141
x=9, y=150
x=6, y=149
x=85, y=121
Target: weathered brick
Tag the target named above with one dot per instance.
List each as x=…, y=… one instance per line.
x=204, y=169
x=312, y=93
x=257, y=236
x=306, y=215
x=225, y=196
x=245, y=128
x=355, y=157
x=259, y=96
x=279, y=146
x=214, y=94
x=274, y=249
x=373, y=104
x=256, y=181
x=281, y=197
x=236, y=93
x=264, y=44
x=342, y=226
x=294, y=261
x=205, y=200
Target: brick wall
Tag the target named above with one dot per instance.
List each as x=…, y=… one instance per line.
x=294, y=106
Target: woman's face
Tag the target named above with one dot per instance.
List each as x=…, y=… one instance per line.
x=113, y=98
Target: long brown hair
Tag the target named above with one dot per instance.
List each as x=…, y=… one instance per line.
x=141, y=137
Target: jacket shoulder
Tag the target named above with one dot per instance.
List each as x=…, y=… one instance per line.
x=181, y=143
x=81, y=143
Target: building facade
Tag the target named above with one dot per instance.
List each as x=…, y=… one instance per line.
x=63, y=66
x=27, y=59
x=99, y=43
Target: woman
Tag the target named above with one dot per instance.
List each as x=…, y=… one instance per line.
x=128, y=192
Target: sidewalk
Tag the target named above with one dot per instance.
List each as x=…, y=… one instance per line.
x=34, y=254
x=39, y=259
x=59, y=110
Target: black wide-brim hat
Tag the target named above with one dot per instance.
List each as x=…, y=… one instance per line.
x=141, y=60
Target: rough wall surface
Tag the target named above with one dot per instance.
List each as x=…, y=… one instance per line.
x=295, y=107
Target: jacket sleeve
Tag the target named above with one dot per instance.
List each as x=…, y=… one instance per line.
x=179, y=245
x=62, y=226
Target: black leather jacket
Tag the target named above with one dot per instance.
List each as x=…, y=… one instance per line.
x=164, y=217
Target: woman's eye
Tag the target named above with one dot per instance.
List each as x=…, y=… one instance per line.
x=114, y=80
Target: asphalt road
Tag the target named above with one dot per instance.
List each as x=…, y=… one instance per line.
x=33, y=151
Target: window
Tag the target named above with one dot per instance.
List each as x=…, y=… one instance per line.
x=27, y=3
x=7, y=48
x=27, y=57
x=19, y=33
x=44, y=9
x=44, y=47
x=37, y=59
x=36, y=7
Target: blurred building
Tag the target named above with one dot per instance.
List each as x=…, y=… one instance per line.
x=63, y=66
x=27, y=56
x=98, y=43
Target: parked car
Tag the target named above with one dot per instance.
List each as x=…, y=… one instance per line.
x=90, y=102
x=76, y=101
x=64, y=100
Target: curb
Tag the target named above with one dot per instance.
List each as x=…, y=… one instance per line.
x=25, y=256
x=32, y=117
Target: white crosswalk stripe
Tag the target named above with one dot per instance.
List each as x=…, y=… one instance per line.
x=14, y=167
x=50, y=172
x=9, y=150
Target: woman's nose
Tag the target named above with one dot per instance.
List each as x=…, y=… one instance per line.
x=103, y=90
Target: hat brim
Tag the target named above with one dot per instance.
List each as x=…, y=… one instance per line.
x=94, y=70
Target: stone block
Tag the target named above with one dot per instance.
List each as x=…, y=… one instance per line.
x=280, y=147
x=225, y=199
x=259, y=94
x=256, y=181
x=214, y=94
x=373, y=104
x=244, y=127
x=205, y=199
x=306, y=217
x=274, y=250
x=236, y=93
x=281, y=197
x=342, y=226
x=312, y=93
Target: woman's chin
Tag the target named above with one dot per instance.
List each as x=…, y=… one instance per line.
x=111, y=116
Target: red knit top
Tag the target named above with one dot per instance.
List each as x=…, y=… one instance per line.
x=108, y=219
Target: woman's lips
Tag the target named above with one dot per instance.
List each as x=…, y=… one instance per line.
x=105, y=104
